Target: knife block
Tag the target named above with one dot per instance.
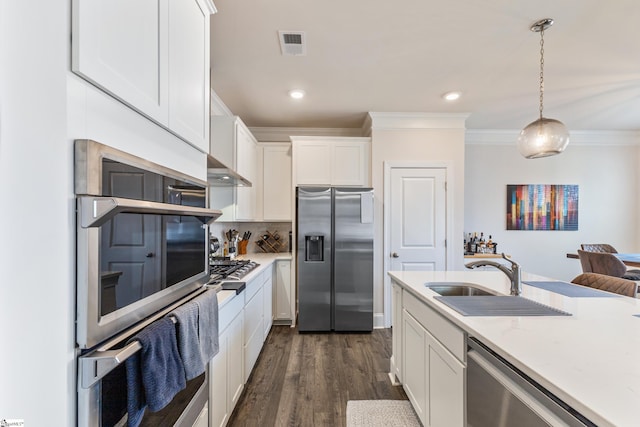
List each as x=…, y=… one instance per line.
x=242, y=247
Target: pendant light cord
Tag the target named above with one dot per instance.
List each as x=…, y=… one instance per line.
x=541, y=69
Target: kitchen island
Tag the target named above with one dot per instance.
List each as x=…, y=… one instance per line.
x=590, y=360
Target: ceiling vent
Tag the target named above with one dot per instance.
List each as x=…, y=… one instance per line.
x=293, y=43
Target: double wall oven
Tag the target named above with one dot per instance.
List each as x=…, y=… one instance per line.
x=142, y=251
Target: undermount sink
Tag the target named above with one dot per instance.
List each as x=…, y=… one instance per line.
x=458, y=289
x=470, y=299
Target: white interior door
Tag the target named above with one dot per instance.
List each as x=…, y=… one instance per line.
x=418, y=219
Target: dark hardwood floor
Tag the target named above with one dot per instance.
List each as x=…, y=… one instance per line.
x=306, y=379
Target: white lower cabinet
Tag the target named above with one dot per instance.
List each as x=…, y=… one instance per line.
x=433, y=371
x=226, y=368
x=253, y=330
x=284, y=297
x=267, y=286
x=396, y=343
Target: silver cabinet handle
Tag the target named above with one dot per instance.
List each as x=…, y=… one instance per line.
x=395, y=255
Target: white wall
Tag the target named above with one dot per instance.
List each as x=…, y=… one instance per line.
x=36, y=216
x=44, y=107
x=421, y=137
x=608, y=200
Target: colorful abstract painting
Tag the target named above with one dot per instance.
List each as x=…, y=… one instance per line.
x=542, y=207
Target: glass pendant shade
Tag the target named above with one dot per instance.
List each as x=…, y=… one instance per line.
x=543, y=138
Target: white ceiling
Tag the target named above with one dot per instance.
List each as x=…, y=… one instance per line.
x=402, y=55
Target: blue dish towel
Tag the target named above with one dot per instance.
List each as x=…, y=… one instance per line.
x=208, y=324
x=188, y=342
x=155, y=374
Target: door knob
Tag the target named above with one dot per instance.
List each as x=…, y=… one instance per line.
x=395, y=255
x=149, y=255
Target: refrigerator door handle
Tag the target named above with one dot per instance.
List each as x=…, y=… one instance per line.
x=366, y=208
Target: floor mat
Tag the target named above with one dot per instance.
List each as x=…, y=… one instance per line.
x=381, y=413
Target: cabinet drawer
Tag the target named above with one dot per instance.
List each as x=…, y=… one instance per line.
x=229, y=312
x=444, y=331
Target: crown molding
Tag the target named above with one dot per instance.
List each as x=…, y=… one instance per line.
x=397, y=121
x=582, y=137
x=218, y=107
x=283, y=134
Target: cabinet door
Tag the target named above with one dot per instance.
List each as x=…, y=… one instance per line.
x=267, y=318
x=415, y=365
x=276, y=179
x=283, y=291
x=235, y=362
x=253, y=331
x=350, y=164
x=246, y=165
x=313, y=163
x=122, y=47
x=218, y=384
x=446, y=384
x=189, y=71
x=396, y=357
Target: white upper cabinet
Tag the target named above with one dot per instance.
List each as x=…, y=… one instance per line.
x=247, y=165
x=152, y=55
x=234, y=145
x=332, y=161
x=276, y=182
x=189, y=70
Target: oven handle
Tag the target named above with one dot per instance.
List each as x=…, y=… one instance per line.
x=94, y=366
x=95, y=211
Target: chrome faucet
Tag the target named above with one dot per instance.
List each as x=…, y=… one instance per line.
x=512, y=273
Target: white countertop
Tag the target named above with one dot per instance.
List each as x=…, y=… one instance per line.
x=264, y=259
x=591, y=359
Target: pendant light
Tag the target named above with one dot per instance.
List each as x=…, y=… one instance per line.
x=543, y=137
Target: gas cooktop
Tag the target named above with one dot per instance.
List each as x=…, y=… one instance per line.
x=230, y=268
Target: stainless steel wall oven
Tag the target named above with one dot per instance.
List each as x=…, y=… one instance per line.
x=142, y=251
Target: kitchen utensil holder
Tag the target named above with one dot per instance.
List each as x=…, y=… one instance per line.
x=242, y=247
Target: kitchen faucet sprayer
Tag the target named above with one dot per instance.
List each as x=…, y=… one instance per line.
x=512, y=273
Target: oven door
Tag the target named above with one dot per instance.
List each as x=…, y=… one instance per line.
x=102, y=385
x=134, y=258
x=142, y=239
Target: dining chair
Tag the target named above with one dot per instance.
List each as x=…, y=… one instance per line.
x=598, y=247
x=607, y=283
x=605, y=263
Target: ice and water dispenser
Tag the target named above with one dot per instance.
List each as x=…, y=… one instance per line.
x=314, y=248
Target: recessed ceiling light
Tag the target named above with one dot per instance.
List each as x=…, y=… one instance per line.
x=296, y=94
x=451, y=96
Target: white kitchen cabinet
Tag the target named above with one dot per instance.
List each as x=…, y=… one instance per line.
x=226, y=368
x=189, y=70
x=253, y=325
x=151, y=55
x=247, y=166
x=233, y=145
x=335, y=161
x=276, y=182
x=433, y=370
x=415, y=363
x=284, y=296
x=396, y=339
x=267, y=319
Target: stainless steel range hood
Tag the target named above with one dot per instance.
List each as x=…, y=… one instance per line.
x=219, y=175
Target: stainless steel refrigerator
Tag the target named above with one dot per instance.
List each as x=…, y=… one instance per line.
x=334, y=258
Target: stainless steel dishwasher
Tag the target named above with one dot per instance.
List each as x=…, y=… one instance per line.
x=499, y=395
